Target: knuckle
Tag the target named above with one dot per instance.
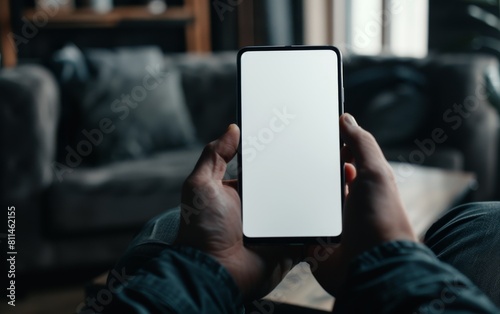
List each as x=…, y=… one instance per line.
x=210, y=152
x=363, y=135
x=209, y=149
x=382, y=173
x=368, y=139
x=194, y=181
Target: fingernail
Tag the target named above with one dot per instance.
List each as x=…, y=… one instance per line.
x=350, y=120
x=229, y=126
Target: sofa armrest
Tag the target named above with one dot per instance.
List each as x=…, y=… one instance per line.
x=463, y=110
x=446, y=93
x=30, y=109
x=30, y=112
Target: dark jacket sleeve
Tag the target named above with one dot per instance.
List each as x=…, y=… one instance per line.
x=166, y=279
x=406, y=277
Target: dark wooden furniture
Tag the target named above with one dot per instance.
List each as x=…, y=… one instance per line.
x=7, y=49
x=194, y=15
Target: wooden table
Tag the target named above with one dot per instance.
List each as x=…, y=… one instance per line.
x=426, y=193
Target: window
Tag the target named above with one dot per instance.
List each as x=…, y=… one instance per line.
x=369, y=27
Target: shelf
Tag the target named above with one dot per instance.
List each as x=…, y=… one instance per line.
x=193, y=15
x=88, y=18
x=8, y=52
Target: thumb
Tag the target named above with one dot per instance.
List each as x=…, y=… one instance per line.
x=363, y=146
x=215, y=156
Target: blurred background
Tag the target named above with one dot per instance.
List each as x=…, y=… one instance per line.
x=106, y=105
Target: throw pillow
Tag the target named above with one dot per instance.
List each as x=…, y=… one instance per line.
x=132, y=103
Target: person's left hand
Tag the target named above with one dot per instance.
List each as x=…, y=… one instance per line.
x=211, y=222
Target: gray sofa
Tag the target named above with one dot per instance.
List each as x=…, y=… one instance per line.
x=83, y=216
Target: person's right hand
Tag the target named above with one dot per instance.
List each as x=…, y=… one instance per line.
x=373, y=211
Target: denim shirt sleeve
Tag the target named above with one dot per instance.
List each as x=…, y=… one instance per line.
x=161, y=278
x=406, y=277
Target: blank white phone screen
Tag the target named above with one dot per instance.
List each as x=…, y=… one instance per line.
x=291, y=170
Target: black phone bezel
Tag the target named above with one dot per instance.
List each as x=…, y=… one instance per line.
x=288, y=240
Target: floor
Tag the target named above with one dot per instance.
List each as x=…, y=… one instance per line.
x=51, y=293
x=53, y=301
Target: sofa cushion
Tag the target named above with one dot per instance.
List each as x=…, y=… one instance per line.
x=123, y=195
x=132, y=92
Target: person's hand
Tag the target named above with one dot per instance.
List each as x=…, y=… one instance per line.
x=373, y=211
x=211, y=222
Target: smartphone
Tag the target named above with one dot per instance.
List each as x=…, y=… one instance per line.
x=291, y=178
